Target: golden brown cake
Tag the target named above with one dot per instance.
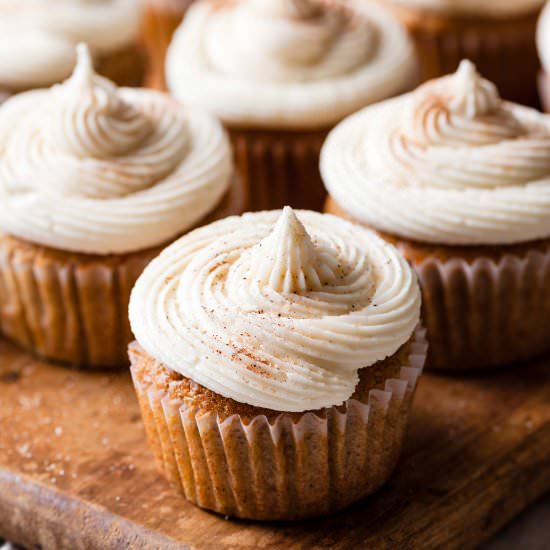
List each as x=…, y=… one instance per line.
x=277, y=362
x=498, y=36
x=459, y=181
x=280, y=74
x=94, y=180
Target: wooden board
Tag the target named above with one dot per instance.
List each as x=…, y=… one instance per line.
x=75, y=471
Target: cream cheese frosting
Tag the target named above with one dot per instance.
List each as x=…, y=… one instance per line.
x=89, y=167
x=487, y=8
x=543, y=38
x=38, y=37
x=287, y=63
x=450, y=163
x=276, y=309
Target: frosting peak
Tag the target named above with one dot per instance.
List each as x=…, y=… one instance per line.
x=288, y=261
x=473, y=95
x=288, y=41
x=90, y=118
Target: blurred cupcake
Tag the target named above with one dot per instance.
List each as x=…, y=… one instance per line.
x=459, y=180
x=276, y=362
x=93, y=180
x=280, y=74
x=543, y=43
x=38, y=39
x=497, y=35
x=160, y=19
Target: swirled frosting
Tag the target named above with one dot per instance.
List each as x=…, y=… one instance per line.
x=276, y=310
x=543, y=38
x=89, y=167
x=287, y=63
x=489, y=8
x=38, y=37
x=450, y=163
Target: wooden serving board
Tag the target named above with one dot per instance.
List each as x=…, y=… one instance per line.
x=75, y=471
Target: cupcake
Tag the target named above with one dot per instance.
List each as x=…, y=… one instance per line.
x=543, y=43
x=160, y=19
x=280, y=74
x=38, y=39
x=497, y=35
x=277, y=358
x=94, y=181
x=459, y=181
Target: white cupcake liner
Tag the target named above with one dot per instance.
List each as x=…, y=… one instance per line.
x=290, y=467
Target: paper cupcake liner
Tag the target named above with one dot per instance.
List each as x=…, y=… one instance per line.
x=280, y=168
x=160, y=19
x=503, y=51
x=486, y=313
x=66, y=307
x=287, y=467
x=544, y=91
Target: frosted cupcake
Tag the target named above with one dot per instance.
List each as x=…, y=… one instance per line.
x=38, y=39
x=276, y=363
x=497, y=35
x=279, y=74
x=459, y=180
x=93, y=180
x=543, y=43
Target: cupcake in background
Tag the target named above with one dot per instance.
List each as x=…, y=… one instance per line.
x=497, y=35
x=160, y=19
x=280, y=74
x=543, y=43
x=459, y=181
x=277, y=358
x=94, y=181
x=38, y=39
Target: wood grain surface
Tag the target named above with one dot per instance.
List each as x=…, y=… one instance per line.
x=75, y=471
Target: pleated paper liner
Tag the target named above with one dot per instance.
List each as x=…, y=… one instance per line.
x=268, y=465
x=73, y=307
x=280, y=168
x=482, y=306
x=160, y=19
x=503, y=50
x=68, y=307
